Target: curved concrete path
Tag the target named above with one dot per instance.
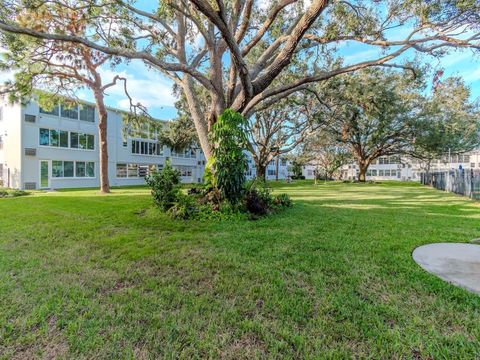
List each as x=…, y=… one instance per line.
x=458, y=264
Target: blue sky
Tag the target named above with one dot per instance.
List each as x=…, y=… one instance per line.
x=154, y=90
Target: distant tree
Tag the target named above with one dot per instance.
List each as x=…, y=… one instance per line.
x=179, y=133
x=325, y=153
x=371, y=114
x=447, y=123
x=279, y=129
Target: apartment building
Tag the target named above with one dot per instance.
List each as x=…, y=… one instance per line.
x=56, y=149
x=403, y=168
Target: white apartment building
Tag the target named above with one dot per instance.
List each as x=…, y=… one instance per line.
x=384, y=168
x=60, y=149
x=403, y=168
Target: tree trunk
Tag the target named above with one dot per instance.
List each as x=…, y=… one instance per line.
x=102, y=133
x=261, y=171
x=362, y=171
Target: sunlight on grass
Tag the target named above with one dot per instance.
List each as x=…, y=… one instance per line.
x=89, y=276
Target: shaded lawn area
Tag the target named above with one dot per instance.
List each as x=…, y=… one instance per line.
x=91, y=276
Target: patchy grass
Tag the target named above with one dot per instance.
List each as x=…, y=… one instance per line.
x=107, y=276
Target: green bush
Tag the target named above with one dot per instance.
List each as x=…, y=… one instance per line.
x=185, y=207
x=17, y=193
x=259, y=201
x=226, y=167
x=4, y=193
x=283, y=201
x=165, y=186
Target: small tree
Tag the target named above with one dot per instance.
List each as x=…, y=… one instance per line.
x=228, y=160
x=165, y=186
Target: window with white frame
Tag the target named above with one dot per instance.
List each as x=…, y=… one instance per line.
x=83, y=112
x=380, y=172
x=73, y=169
x=125, y=170
x=142, y=147
x=66, y=139
x=272, y=172
x=185, y=170
x=186, y=153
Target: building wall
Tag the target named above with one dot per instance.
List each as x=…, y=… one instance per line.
x=23, y=153
x=24, y=168
x=10, y=152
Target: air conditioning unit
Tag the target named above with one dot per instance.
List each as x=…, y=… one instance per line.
x=30, y=152
x=30, y=118
x=30, y=186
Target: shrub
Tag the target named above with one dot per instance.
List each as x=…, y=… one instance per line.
x=185, y=207
x=17, y=193
x=165, y=186
x=258, y=200
x=282, y=200
x=298, y=177
x=228, y=162
x=12, y=193
x=255, y=203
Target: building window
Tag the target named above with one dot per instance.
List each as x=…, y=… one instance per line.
x=69, y=112
x=45, y=137
x=184, y=170
x=57, y=169
x=54, y=138
x=70, y=169
x=121, y=170
x=80, y=169
x=87, y=113
x=146, y=148
x=472, y=165
x=186, y=153
x=135, y=170
x=387, y=172
x=271, y=172
x=380, y=172
x=132, y=170
x=60, y=138
x=54, y=111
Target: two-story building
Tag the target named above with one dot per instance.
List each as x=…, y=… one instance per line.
x=59, y=148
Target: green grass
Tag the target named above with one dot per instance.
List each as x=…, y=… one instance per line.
x=90, y=276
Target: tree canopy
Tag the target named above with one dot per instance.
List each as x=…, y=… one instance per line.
x=245, y=54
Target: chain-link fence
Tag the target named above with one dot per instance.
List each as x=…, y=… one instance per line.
x=463, y=182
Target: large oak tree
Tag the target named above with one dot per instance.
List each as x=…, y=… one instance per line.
x=245, y=53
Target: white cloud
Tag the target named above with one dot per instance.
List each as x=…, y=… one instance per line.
x=471, y=76
x=148, y=87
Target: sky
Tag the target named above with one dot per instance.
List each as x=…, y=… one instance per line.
x=154, y=90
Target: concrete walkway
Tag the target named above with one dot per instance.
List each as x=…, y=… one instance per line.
x=458, y=264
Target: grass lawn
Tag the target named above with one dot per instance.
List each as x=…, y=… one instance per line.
x=89, y=276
